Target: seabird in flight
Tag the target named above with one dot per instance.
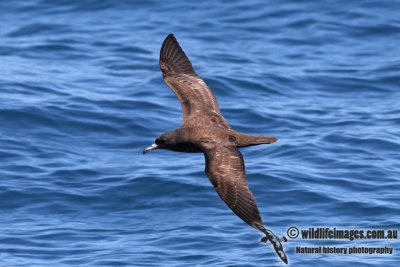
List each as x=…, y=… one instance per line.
x=205, y=130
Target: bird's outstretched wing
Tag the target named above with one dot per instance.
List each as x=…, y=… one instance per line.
x=197, y=100
x=226, y=171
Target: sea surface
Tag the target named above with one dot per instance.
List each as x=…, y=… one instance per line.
x=81, y=95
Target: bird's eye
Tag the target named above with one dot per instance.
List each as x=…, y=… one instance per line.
x=161, y=141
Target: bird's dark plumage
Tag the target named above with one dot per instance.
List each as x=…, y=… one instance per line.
x=198, y=101
x=205, y=130
x=225, y=168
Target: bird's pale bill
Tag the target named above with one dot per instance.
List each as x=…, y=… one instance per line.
x=153, y=146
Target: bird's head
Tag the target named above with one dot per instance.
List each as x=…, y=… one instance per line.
x=164, y=141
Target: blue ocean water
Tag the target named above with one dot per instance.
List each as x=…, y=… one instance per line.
x=81, y=95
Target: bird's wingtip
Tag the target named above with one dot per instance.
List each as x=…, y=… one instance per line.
x=172, y=58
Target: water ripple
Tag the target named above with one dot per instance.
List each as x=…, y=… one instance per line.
x=81, y=95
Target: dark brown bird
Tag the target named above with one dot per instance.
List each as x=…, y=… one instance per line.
x=205, y=130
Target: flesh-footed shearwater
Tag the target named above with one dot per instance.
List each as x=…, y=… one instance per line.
x=205, y=130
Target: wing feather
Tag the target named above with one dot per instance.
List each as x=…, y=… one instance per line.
x=196, y=97
x=226, y=171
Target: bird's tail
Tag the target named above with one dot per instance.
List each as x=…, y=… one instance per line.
x=274, y=240
x=244, y=140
